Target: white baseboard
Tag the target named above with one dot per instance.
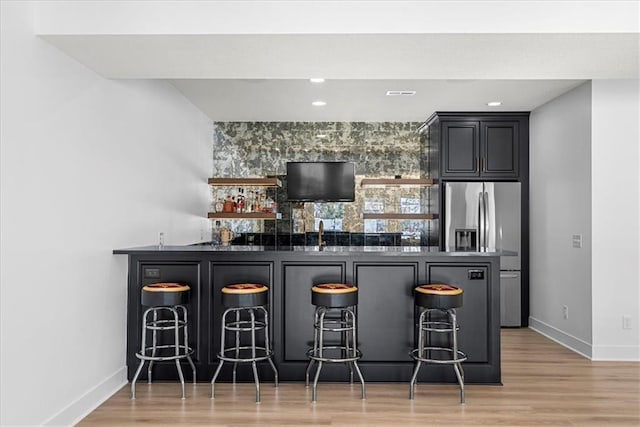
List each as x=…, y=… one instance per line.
x=581, y=347
x=616, y=353
x=85, y=404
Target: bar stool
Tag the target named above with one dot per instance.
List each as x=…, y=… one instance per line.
x=166, y=312
x=441, y=300
x=250, y=299
x=334, y=298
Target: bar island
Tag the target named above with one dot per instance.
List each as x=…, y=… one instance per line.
x=385, y=276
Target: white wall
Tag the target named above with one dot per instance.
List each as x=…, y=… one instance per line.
x=560, y=206
x=88, y=165
x=616, y=217
x=585, y=178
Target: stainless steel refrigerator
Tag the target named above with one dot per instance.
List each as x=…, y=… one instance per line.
x=485, y=217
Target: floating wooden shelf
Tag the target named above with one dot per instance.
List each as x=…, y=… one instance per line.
x=248, y=215
x=246, y=182
x=399, y=216
x=398, y=182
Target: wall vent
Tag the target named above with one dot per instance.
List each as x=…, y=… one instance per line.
x=401, y=92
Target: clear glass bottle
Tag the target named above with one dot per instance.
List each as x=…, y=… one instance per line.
x=215, y=234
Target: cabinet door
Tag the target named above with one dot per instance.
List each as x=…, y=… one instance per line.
x=298, y=279
x=187, y=273
x=473, y=316
x=499, y=147
x=385, y=309
x=223, y=273
x=460, y=149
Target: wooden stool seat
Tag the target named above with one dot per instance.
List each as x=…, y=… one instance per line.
x=438, y=295
x=164, y=294
x=334, y=295
x=245, y=295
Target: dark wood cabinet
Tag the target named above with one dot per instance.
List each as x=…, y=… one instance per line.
x=385, y=312
x=460, y=149
x=481, y=146
x=499, y=149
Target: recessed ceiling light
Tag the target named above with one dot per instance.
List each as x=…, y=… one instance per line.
x=401, y=92
x=316, y=80
x=494, y=103
x=318, y=103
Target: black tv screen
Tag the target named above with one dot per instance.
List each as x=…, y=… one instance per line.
x=321, y=181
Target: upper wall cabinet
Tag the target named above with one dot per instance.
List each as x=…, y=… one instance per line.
x=483, y=146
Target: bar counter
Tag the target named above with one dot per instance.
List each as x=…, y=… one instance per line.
x=385, y=276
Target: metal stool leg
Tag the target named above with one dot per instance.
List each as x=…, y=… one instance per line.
x=143, y=351
x=176, y=330
x=421, y=340
x=355, y=362
x=237, y=336
x=186, y=341
x=456, y=366
x=315, y=346
x=222, y=342
x=347, y=350
x=154, y=343
x=267, y=345
x=322, y=313
x=253, y=353
x=412, y=384
x=314, y=394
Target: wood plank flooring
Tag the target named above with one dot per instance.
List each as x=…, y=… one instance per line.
x=544, y=385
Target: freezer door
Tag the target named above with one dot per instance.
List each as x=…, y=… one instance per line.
x=502, y=225
x=510, y=298
x=462, y=215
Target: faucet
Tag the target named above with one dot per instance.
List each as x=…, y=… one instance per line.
x=321, y=242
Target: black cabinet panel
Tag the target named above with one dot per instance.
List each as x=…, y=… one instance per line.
x=499, y=142
x=385, y=312
x=187, y=273
x=460, y=145
x=385, y=288
x=227, y=273
x=297, y=281
x=481, y=145
x=473, y=316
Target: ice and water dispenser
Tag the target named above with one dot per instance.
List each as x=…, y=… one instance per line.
x=466, y=239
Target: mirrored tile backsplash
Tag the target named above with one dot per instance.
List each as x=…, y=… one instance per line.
x=378, y=150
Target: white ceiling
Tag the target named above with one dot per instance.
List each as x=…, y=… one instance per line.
x=256, y=68
x=361, y=100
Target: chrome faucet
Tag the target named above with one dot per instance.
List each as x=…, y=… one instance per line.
x=321, y=242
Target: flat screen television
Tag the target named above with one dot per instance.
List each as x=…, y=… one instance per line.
x=321, y=181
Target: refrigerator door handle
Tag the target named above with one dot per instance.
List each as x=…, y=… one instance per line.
x=485, y=204
x=480, y=222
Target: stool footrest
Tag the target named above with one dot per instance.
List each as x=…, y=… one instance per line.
x=460, y=356
x=314, y=354
x=184, y=352
x=431, y=326
x=240, y=326
x=164, y=325
x=266, y=354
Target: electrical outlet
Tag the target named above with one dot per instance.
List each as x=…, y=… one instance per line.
x=626, y=322
x=565, y=312
x=576, y=240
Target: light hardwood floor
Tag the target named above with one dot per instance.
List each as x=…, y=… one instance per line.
x=544, y=384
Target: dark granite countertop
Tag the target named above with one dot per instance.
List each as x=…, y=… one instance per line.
x=311, y=250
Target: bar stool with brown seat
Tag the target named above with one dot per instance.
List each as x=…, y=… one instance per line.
x=246, y=302
x=338, y=300
x=166, y=312
x=441, y=301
